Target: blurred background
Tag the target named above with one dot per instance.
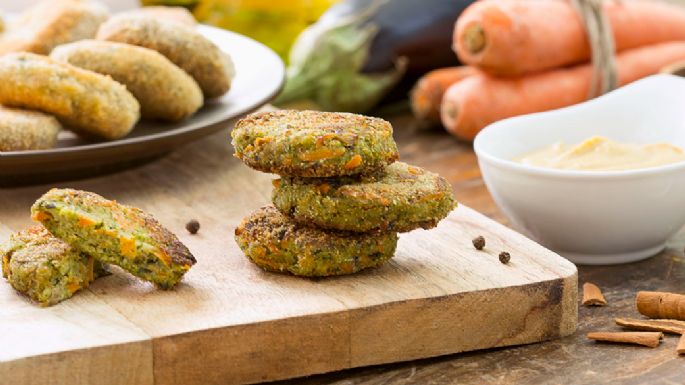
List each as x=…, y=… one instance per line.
x=359, y=55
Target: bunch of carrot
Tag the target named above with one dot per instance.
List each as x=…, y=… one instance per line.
x=526, y=56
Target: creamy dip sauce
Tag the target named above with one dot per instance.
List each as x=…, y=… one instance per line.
x=601, y=154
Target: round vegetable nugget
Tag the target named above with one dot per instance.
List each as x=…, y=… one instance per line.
x=50, y=23
x=402, y=198
x=276, y=243
x=22, y=130
x=88, y=103
x=163, y=90
x=313, y=143
x=45, y=268
x=184, y=46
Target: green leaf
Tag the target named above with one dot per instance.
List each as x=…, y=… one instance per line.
x=326, y=67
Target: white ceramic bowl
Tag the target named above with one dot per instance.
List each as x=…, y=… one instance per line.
x=593, y=217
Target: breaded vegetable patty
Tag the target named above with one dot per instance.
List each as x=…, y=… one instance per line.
x=314, y=143
x=22, y=130
x=177, y=14
x=276, y=243
x=86, y=102
x=114, y=233
x=184, y=46
x=163, y=90
x=44, y=268
x=401, y=198
x=50, y=23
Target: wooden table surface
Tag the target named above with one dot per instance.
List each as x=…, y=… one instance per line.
x=572, y=360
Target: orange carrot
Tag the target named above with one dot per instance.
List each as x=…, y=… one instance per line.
x=514, y=37
x=481, y=99
x=426, y=96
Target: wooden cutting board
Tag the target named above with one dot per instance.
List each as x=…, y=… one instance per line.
x=231, y=323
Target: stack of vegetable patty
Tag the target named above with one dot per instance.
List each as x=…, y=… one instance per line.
x=79, y=233
x=341, y=198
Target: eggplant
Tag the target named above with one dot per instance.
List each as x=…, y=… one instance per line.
x=360, y=49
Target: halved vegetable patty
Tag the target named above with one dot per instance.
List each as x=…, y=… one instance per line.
x=314, y=143
x=400, y=198
x=114, y=233
x=276, y=243
x=44, y=268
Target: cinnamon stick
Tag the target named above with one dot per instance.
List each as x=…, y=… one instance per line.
x=655, y=325
x=592, y=295
x=655, y=304
x=681, y=345
x=650, y=339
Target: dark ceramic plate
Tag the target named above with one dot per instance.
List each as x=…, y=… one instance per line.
x=259, y=77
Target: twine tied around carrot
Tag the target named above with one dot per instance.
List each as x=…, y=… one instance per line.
x=601, y=39
x=536, y=51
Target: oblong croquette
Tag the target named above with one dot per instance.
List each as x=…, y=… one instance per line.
x=49, y=23
x=276, y=243
x=22, y=130
x=44, y=268
x=184, y=46
x=401, y=198
x=314, y=143
x=170, y=13
x=114, y=233
x=86, y=102
x=163, y=90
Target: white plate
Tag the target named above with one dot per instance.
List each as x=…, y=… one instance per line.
x=259, y=76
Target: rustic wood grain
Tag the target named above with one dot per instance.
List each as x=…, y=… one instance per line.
x=82, y=341
x=571, y=360
x=229, y=322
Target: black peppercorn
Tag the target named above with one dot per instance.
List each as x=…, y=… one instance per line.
x=504, y=257
x=479, y=242
x=193, y=226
